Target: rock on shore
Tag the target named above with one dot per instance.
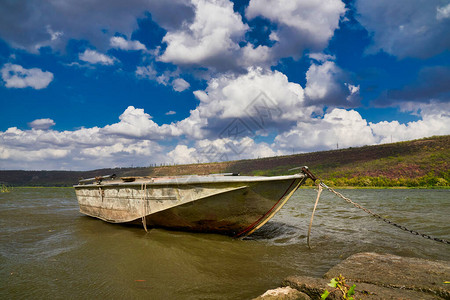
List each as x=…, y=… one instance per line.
x=377, y=276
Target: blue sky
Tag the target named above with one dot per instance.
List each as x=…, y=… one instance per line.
x=86, y=85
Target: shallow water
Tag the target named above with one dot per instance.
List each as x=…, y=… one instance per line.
x=49, y=250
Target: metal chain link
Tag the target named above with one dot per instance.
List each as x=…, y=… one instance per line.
x=383, y=219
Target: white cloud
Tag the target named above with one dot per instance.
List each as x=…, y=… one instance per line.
x=346, y=128
x=443, y=12
x=229, y=96
x=343, y=127
x=30, y=155
x=210, y=40
x=42, y=124
x=170, y=112
x=166, y=78
x=139, y=148
x=94, y=57
x=135, y=139
x=220, y=149
x=435, y=120
x=54, y=35
x=262, y=99
x=406, y=28
x=326, y=84
x=121, y=43
x=321, y=57
x=135, y=123
x=256, y=56
x=266, y=101
x=301, y=24
x=147, y=72
x=320, y=81
x=82, y=149
x=91, y=21
x=180, y=84
x=182, y=154
x=16, y=76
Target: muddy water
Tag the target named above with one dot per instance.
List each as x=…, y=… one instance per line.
x=49, y=250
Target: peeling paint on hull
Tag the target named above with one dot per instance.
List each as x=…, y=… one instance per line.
x=221, y=204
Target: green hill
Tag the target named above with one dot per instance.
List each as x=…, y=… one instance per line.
x=418, y=163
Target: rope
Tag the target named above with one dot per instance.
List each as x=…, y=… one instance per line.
x=144, y=207
x=380, y=217
x=312, y=216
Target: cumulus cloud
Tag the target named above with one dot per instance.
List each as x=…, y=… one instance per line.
x=135, y=123
x=346, y=128
x=339, y=126
x=169, y=78
x=138, y=148
x=180, y=84
x=328, y=84
x=262, y=99
x=82, y=149
x=182, y=154
x=229, y=96
x=266, y=101
x=435, y=120
x=211, y=39
x=406, y=28
x=121, y=43
x=135, y=140
x=94, y=57
x=220, y=149
x=443, y=12
x=53, y=23
x=42, y=124
x=16, y=76
x=300, y=24
x=200, y=33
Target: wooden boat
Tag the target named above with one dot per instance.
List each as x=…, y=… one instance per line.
x=221, y=203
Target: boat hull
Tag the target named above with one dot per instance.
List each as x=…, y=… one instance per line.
x=235, y=207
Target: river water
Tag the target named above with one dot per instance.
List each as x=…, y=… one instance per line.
x=49, y=250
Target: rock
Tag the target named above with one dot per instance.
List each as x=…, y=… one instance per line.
x=283, y=293
x=376, y=276
x=387, y=270
x=314, y=287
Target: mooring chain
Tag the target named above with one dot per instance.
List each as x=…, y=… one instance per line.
x=383, y=219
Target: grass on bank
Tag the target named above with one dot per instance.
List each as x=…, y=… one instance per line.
x=5, y=188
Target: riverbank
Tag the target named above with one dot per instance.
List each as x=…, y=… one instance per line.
x=375, y=276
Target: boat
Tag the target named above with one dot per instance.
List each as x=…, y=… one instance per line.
x=218, y=203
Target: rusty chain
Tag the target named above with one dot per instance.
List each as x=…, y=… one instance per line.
x=383, y=219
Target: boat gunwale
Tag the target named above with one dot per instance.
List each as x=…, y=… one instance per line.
x=189, y=179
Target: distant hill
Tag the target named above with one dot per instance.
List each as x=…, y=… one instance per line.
x=423, y=162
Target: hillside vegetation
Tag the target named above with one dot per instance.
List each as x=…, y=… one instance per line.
x=418, y=163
